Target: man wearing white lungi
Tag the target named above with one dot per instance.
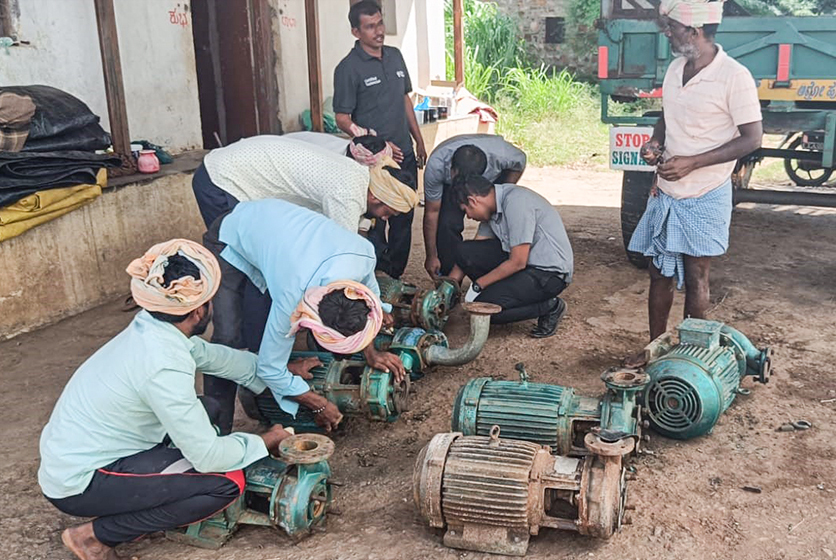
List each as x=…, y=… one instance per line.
x=711, y=118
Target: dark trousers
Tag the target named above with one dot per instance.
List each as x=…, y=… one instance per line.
x=450, y=228
x=240, y=314
x=153, y=490
x=393, y=253
x=212, y=201
x=526, y=294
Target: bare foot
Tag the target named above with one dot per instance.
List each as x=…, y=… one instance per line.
x=637, y=360
x=83, y=543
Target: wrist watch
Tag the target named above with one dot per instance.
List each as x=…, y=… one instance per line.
x=476, y=287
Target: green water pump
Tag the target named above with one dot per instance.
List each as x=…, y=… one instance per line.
x=417, y=307
x=551, y=415
x=420, y=349
x=355, y=387
x=694, y=381
x=292, y=493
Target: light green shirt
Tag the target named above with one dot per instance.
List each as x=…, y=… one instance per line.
x=132, y=392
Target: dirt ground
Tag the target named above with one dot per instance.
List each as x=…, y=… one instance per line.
x=776, y=285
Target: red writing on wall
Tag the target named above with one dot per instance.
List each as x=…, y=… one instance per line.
x=288, y=21
x=178, y=18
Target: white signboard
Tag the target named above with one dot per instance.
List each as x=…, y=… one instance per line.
x=625, y=144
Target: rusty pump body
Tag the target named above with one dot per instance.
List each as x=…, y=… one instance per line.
x=551, y=415
x=492, y=494
x=416, y=307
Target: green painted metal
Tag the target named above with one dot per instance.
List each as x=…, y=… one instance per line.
x=550, y=415
x=293, y=498
x=696, y=380
x=638, y=56
x=354, y=387
x=413, y=306
x=410, y=344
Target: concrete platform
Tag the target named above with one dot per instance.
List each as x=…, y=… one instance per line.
x=78, y=261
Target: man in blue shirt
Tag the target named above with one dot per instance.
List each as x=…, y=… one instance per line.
x=128, y=442
x=285, y=250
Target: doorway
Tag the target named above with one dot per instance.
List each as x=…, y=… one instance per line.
x=236, y=70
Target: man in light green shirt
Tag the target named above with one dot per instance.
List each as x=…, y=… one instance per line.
x=129, y=442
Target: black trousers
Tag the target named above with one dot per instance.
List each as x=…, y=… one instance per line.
x=153, y=490
x=526, y=294
x=240, y=315
x=450, y=228
x=393, y=253
x=212, y=201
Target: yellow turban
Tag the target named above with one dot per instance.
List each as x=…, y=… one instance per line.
x=390, y=191
x=182, y=295
x=692, y=13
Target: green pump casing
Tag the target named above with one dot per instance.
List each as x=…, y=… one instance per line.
x=291, y=497
x=550, y=415
x=354, y=387
x=693, y=382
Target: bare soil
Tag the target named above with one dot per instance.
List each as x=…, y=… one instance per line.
x=776, y=284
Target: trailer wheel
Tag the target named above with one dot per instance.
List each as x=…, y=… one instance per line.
x=635, y=189
x=804, y=173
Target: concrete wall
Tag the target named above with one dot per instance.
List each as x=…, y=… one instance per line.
x=157, y=62
x=419, y=35
x=78, y=261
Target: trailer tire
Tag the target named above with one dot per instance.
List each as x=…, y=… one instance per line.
x=635, y=189
x=796, y=177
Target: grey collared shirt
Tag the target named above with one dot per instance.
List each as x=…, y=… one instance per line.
x=372, y=90
x=523, y=216
x=501, y=155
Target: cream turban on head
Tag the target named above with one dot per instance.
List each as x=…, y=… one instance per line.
x=692, y=13
x=388, y=190
x=182, y=295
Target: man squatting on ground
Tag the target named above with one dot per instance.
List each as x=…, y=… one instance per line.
x=711, y=118
x=128, y=442
x=304, y=260
x=487, y=155
x=371, y=96
x=521, y=257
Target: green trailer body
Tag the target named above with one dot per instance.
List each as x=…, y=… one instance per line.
x=793, y=61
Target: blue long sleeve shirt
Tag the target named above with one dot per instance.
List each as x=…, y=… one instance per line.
x=287, y=249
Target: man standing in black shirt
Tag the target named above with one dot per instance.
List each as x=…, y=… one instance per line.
x=371, y=87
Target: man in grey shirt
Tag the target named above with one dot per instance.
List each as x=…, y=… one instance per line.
x=488, y=155
x=521, y=258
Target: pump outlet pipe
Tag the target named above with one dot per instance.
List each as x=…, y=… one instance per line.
x=480, y=324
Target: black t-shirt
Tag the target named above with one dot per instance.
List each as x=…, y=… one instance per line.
x=372, y=91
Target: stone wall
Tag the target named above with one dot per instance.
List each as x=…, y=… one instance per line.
x=532, y=16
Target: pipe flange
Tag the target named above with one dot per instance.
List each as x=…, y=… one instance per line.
x=481, y=308
x=766, y=365
x=400, y=395
x=625, y=378
x=306, y=449
x=597, y=446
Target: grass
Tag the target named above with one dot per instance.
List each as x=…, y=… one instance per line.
x=549, y=114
